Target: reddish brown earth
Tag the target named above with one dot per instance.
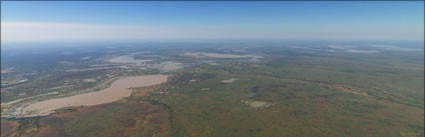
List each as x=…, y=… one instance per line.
x=114, y=119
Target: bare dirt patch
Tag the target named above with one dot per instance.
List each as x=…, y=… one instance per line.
x=257, y=104
x=349, y=89
x=229, y=80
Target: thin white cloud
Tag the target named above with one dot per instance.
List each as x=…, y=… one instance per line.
x=36, y=31
x=30, y=31
x=18, y=31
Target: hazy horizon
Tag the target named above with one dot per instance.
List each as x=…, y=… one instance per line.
x=158, y=21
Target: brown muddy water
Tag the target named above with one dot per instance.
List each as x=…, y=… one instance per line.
x=117, y=91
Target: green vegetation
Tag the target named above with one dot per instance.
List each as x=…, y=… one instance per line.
x=314, y=94
x=301, y=108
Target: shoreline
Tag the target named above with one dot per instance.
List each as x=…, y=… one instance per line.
x=118, y=90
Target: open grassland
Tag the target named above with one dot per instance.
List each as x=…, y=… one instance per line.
x=301, y=108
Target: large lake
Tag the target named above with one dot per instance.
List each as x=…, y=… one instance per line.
x=117, y=91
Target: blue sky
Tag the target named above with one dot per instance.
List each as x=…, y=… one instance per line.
x=95, y=20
